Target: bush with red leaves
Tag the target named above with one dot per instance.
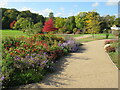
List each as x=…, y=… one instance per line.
x=49, y=26
x=12, y=24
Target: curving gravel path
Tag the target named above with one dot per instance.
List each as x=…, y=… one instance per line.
x=90, y=67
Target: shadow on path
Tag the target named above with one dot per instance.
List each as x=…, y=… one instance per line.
x=54, y=79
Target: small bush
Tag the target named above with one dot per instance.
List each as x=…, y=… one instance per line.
x=110, y=49
x=110, y=41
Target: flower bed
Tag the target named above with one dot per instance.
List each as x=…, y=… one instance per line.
x=110, y=41
x=27, y=60
x=111, y=47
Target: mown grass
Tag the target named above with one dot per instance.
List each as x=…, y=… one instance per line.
x=16, y=33
x=12, y=33
x=114, y=57
x=96, y=37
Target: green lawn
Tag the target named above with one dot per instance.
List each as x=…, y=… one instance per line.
x=114, y=57
x=96, y=37
x=12, y=33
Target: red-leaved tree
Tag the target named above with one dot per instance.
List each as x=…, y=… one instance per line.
x=49, y=26
x=12, y=24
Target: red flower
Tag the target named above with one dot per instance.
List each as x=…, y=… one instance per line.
x=7, y=48
x=17, y=42
x=12, y=53
x=9, y=44
x=45, y=45
x=17, y=45
x=25, y=45
x=34, y=50
x=17, y=50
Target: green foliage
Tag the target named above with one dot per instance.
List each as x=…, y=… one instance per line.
x=22, y=23
x=89, y=22
x=38, y=27
x=74, y=30
x=9, y=15
x=117, y=22
x=59, y=22
x=70, y=24
x=80, y=20
x=51, y=15
x=93, y=22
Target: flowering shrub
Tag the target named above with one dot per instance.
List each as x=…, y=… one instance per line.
x=27, y=59
x=71, y=45
x=111, y=45
x=110, y=49
x=110, y=41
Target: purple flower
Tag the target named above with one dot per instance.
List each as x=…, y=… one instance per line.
x=26, y=62
x=59, y=44
x=44, y=61
x=33, y=65
x=2, y=77
x=33, y=59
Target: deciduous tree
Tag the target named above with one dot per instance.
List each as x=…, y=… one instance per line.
x=93, y=22
x=49, y=26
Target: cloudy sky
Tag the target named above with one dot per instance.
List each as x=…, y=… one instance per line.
x=63, y=9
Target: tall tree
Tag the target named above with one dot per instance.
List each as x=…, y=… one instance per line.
x=93, y=22
x=108, y=22
x=23, y=23
x=51, y=15
x=49, y=26
x=70, y=24
x=80, y=20
x=117, y=22
x=9, y=15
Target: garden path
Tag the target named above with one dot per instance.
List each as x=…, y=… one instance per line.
x=90, y=67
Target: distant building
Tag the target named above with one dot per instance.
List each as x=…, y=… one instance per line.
x=115, y=30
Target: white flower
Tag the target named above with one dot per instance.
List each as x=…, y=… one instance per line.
x=107, y=45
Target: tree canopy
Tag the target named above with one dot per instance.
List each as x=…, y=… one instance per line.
x=88, y=22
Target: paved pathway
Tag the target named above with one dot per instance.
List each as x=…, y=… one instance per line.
x=88, y=68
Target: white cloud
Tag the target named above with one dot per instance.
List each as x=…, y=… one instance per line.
x=112, y=2
x=45, y=12
x=95, y=4
x=3, y=3
x=117, y=15
x=25, y=8
x=58, y=14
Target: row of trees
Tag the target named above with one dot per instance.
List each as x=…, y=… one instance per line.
x=87, y=22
